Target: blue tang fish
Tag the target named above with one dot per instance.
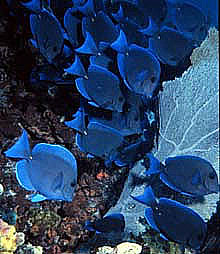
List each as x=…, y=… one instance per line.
x=48, y=33
x=189, y=175
x=171, y=46
x=114, y=222
x=102, y=86
x=190, y=20
x=48, y=170
x=100, y=140
x=174, y=221
x=142, y=78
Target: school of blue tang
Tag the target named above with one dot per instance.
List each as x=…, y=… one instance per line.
x=113, y=53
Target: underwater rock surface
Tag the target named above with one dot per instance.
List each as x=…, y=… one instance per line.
x=189, y=126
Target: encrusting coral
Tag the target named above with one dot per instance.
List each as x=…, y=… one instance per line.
x=9, y=238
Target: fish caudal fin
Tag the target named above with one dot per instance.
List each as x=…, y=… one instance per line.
x=21, y=149
x=148, y=198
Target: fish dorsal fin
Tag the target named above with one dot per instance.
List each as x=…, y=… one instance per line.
x=22, y=175
x=148, y=198
x=33, y=5
x=21, y=149
x=151, y=29
x=57, y=182
x=196, y=178
x=148, y=214
x=89, y=46
x=121, y=43
x=57, y=151
x=119, y=15
x=37, y=198
x=77, y=68
x=87, y=9
x=81, y=88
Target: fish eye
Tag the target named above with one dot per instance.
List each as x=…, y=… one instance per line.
x=212, y=175
x=202, y=28
x=72, y=184
x=152, y=79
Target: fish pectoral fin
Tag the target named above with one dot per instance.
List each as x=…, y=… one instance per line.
x=196, y=178
x=22, y=175
x=57, y=182
x=37, y=198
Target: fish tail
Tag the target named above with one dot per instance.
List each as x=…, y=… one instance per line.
x=155, y=165
x=148, y=198
x=21, y=149
x=121, y=44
